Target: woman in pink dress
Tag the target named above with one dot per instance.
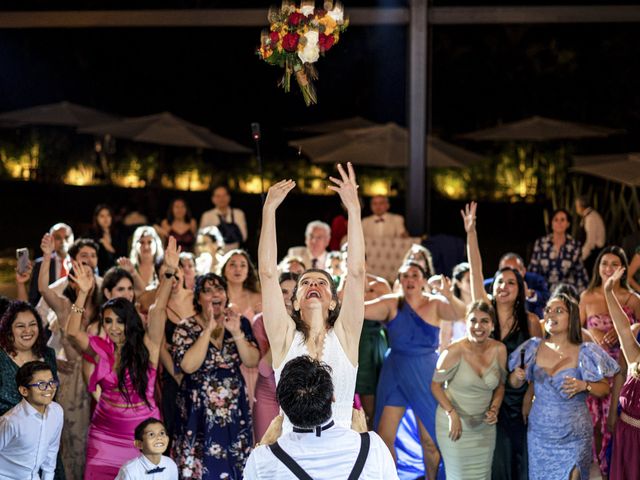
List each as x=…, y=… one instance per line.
x=625, y=459
x=126, y=362
x=596, y=317
x=266, y=407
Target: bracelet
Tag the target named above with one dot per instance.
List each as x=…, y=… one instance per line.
x=76, y=309
x=449, y=412
x=238, y=337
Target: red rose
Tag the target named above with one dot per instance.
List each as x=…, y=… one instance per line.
x=325, y=42
x=274, y=37
x=295, y=18
x=290, y=42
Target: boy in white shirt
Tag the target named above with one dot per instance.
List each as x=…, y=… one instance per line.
x=30, y=431
x=152, y=440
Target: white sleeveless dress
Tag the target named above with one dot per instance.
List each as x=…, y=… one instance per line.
x=343, y=376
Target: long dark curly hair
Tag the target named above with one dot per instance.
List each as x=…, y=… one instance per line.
x=333, y=314
x=251, y=283
x=134, y=356
x=521, y=323
x=7, y=342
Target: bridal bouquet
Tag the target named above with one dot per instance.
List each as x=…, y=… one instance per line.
x=296, y=38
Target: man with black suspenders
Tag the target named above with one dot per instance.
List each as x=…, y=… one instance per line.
x=317, y=449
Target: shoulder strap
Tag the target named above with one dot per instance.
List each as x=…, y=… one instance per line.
x=365, y=442
x=289, y=462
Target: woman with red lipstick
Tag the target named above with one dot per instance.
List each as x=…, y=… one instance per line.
x=319, y=325
x=213, y=433
x=513, y=327
x=594, y=315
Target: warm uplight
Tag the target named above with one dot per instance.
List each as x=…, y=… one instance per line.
x=128, y=180
x=251, y=184
x=79, y=176
x=377, y=186
x=20, y=167
x=450, y=184
x=192, y=180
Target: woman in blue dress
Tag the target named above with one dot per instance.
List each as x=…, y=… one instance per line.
x=413, y=324
x=563, y=371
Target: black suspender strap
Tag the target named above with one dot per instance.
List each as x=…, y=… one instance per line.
x=289, y=462
x=365, y=442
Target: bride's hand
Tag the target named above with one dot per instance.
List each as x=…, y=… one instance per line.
x=278, y=192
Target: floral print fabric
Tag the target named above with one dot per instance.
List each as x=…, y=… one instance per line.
x=213, y=436
x=564, y=266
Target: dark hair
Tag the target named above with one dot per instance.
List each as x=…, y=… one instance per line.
x=187, y=215
x=134, y=356
x=96, y=228
x=596, y=279
x=284, y=276
x=521, y=322
x=24, y=375
x=575, y=327
x=81, y=243
x=201, y=280
x=584, y=200
x=305, y=391
x=251, y=282
x=333, y=314
x=554, y=213
x=111, y=279
x=406, y=265
x=566, y=289
x=458, y=273
x=482, y=306
x=138, y=433
x=4, y=304
x=220, y=185
x=6, y=323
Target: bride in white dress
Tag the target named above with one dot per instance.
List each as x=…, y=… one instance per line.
x=319, y=326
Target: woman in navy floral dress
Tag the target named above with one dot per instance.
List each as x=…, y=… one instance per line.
x=213, y=436
x=557, y=256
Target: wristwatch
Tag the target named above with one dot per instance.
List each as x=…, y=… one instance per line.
x=588, y=387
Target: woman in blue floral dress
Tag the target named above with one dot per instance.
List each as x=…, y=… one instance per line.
x=213, y=436
x=557, y=256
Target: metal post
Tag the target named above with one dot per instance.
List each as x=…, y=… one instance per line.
x=417, y=120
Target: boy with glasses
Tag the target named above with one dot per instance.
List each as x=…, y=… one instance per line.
x=30, y=431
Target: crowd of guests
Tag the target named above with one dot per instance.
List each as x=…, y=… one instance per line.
x=119, y=349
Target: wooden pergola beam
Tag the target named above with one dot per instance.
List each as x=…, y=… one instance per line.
x=237, y=17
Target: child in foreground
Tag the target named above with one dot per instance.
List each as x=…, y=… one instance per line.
x=30, y=431
x=152, y=440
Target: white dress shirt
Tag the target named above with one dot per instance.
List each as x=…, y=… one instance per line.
x=138, y=468
x=29, y=442
x=210, y=218
x=386, y=225
x=595, y=230
x=307, y=257
x=330, y=456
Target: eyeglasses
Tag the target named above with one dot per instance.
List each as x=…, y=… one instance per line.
x=555, y=311
x=45, y=385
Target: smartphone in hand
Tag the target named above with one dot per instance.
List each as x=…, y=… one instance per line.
x=22, y=255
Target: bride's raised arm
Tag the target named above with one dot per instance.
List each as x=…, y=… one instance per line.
x=277, y=322
x=352, y=309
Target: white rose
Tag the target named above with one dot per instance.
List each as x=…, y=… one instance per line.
x=309, y=54
x=337, y=14
x=311, y=51
x=307, y=10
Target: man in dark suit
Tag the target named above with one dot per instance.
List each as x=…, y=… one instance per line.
x=537, y=292
x=60, y=261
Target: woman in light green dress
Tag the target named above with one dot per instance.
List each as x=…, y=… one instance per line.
x=469, y=385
